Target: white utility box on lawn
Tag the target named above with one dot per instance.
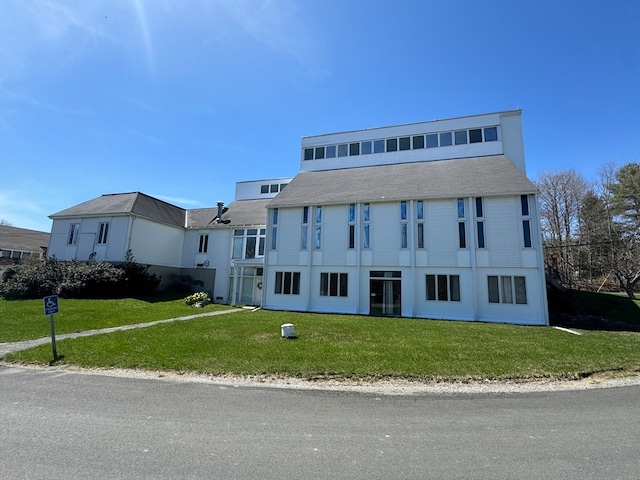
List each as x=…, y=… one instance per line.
x=287, y=330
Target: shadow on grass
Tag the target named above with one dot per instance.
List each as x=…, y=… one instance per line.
x=594, y=311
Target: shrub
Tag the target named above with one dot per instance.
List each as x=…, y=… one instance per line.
x=76, y=279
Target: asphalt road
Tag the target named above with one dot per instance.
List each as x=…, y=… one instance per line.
x=57, y=424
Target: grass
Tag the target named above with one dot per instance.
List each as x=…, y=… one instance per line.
x=351, y=347
x=25, y=319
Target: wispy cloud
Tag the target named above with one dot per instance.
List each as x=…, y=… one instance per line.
x=279, y=26
x=176, y=200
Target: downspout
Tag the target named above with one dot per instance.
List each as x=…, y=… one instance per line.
x=358, y=245
x=472, y=257
x=412, y=255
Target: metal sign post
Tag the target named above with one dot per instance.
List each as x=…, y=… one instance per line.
x=50, y=308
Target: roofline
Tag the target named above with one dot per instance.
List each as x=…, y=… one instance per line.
x=501, y=113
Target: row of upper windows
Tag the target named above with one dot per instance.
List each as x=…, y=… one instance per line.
x=415, y=142
x=272, y=188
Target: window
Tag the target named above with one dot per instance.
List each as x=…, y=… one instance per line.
x=203, y=246
x=445, y=139
x=526, y=232
x=480, y=224
x=524, y=205
x=418, y=142
x=352, y=227
x=317, y=237
x=342, y=150
x=491, y=134
x=403, y=225
x=405, y=143
x=365, y=235
x=403, y=210
x=74, y=231
x=461, y=208
x=274, y=229
x=264, y=188
x=103, y=232
x=461, y=137
x=501, y=289
x=366, y=227
x=480, y=229
x=445, y=288
x=333, y=284
x=475, y=135
x=319, y=153
x=392, y=144
x=330, y=151
x=304, y=230
x=287, y=283
x=247, y=243
x=479, y=209
x=526, y=223
x=308, y=153
x=420, y=225
x=274, y=188
x=365, y=148
x=354, y=149
x=378, y=146
x=432, y=140
x=462, y=235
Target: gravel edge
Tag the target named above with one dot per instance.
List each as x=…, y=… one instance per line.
x=382, y=387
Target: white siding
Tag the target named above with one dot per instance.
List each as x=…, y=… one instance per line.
x=503, y=229
x=335, y=234
x=156, y=244
x=441, y=232
x=385, y=233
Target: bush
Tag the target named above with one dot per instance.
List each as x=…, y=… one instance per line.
x=199, y=297
x=77, y=279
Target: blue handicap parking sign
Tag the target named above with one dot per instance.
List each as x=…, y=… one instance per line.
x=50, y=305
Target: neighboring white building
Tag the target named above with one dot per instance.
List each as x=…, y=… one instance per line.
x=196, y=248
x=428, y=220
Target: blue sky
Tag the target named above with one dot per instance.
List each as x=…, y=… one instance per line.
x=181, y=99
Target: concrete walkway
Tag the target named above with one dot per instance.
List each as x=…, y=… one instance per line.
x=11, y=347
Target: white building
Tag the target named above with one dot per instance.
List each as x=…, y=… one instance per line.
x=430, y=220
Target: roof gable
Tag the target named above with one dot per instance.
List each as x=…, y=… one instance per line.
x=135, y=203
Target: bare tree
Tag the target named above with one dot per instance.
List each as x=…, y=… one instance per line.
x=5, y=223
x=561, y=197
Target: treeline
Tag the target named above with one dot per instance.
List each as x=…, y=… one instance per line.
x=74, y=279
x=591, y=230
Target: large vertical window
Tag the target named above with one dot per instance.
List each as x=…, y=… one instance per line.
x=304, y=229
x=352, y=226
x=480, y=222
x=403, y=225
x=274, y=229
x=103, y=232
x=203, y=244
x=366, y=226
x=317, y=229
x=74, y=231
x=526, y=222
x=420, y=223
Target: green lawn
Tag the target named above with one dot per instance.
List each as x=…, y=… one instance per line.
x=351, y=347
x=25, y=319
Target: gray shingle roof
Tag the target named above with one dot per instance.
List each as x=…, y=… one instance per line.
x=127, y=203
x=476, y=176
x=12, y=238
x=239, y=213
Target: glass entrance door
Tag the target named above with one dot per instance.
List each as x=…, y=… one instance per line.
x=385, y=294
